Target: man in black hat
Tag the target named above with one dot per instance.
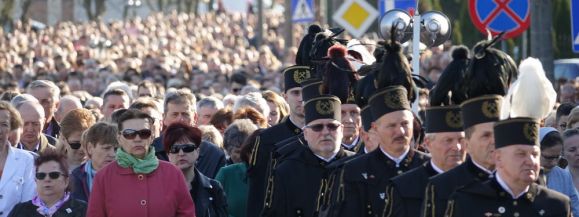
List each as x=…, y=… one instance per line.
x=264, y=143
x=370, y=138
x=444, y=140
x=512, y=191
x=363, y=180
x=478, y=115
x=298, y=180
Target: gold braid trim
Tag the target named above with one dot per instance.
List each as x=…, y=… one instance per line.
x=449, y=209
x=270, y=185
x=254, y=150
x=389, y=201
x=323, y=186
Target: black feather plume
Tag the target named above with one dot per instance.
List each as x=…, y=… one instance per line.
x=303, y=54
x=490, y=71
x=450, y=79
x=394, y=69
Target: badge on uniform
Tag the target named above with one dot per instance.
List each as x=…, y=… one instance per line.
x=365, y=175
x=68, y=210
x=382, y=195
x=501, y=210
x=542, y=212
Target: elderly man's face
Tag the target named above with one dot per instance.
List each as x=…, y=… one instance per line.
x=323, y=135
x=518, y=164
x=46, y=99
x=34, y=120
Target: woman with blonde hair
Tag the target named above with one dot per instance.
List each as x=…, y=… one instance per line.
x=278, y=107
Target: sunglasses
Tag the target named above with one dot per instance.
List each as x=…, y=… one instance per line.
x=552, y=158
x=73, y=145
x=52, y=175
x=187, y=148
x=320, y=127
x=132, y=134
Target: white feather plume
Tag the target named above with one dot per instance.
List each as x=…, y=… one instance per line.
x=531, y=95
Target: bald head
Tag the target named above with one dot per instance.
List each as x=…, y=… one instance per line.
x=67, y=104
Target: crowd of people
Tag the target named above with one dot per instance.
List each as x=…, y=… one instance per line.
x=186, y=115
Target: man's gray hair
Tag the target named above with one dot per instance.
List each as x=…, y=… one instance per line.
x=212, y=135
x=211, y=102
x=21, y=98
x=237, y=132
x=254, y=100
x=180, y=96
x=52, y=88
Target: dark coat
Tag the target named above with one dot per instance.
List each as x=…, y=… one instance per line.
x=297, y=183
x=361, y=183
x=208, y=196
x=260, y=160
x=441, y=186
x=80, y=189
x=71, y=208
x=406, y=192
x=210, y=160
x=490, y=199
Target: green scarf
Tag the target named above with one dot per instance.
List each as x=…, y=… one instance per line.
x=144, y=166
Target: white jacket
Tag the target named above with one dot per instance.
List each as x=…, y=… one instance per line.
x=17, y=183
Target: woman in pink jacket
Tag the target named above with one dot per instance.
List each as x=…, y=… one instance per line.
x=138, y=184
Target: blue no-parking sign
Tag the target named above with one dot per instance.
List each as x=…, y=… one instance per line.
x=575, y=25
x=510, y=16
x=303, y=11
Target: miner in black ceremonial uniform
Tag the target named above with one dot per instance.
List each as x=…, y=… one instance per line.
x=264, y=142
x=512, y=191
x=485, y=79
x=298, y=179
x=360, y=188
x=444, y=141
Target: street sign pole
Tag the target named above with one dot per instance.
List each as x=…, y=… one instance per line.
x=416, y=52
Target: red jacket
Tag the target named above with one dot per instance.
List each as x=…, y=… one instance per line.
x=119, y=192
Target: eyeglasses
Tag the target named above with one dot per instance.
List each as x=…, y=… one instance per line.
x=187, y=148
x=132, y=134
x=320, y=127
x=551, y=158
x=52, y=175
x=73, y=145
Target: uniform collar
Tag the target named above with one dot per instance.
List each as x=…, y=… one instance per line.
x=292, y=126
x=351, y=146
x=505, y=187
x=436, y=168
x=327, y=160
x=397, y=160
x=481, y=167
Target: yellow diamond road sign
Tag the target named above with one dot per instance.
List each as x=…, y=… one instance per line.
x=356, y=16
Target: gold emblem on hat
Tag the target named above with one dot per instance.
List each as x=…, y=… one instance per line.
x=324, y=107
x=394, y=100
x=453, y=119
x=301, y=75
x=490, y=109
x=530, y=131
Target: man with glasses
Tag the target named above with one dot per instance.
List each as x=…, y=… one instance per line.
x=266, y=140
x=298, y=180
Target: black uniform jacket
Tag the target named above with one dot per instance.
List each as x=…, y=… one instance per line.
x=405, y=194
x=298, y=183
x=360, y=186
x=208, y=196
x=260, y=159
x=441, y=186
x=490, y=199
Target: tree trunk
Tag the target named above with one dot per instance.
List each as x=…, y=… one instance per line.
x=6, y=14
x=25, y=7
x=541, y=28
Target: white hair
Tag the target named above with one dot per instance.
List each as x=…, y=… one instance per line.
x=254, y=100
